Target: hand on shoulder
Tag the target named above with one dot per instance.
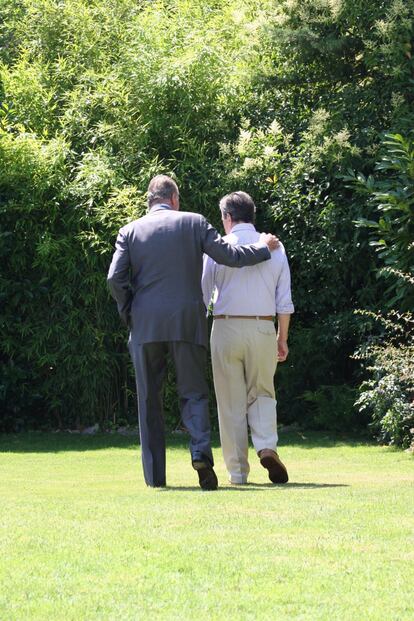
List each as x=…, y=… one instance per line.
x=271, y=241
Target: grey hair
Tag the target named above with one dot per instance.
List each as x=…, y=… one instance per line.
x=239, y=205
x=161, y=187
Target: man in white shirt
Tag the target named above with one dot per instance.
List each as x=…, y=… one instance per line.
x=245, y=348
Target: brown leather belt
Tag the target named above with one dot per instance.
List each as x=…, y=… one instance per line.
x=265, y=317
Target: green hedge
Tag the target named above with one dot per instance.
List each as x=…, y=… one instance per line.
x=281, y=99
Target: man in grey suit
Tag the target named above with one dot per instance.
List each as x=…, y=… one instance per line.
x=155, y=278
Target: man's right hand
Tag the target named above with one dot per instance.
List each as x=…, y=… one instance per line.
x=271, y=241
x=282, y=350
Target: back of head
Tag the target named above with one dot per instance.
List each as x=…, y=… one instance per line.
x=161, y=188
x=238, y=205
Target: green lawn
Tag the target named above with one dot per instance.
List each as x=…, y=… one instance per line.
x=83, y=538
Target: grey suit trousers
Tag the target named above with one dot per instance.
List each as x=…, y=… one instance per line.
x=150, y=363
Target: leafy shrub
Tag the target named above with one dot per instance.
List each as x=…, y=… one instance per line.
x=92, y=105
x=277, y=98
x=386, y=400
x=388, y=395
x=390, y=198
x=319, y=356
x=332, y=407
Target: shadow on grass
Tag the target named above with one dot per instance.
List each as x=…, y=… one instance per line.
x=39, y=442
x=251, y=486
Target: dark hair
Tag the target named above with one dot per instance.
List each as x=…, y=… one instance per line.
x=239, y=206
x=161, y=187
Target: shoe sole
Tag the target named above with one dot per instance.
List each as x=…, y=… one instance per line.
x=277, y=473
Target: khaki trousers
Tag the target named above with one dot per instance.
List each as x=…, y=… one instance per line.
x=244, y=359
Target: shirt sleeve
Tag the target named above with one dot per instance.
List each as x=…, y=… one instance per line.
x=283, y=296
x=208, y=279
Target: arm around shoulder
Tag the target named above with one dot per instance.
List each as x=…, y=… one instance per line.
x=226, y=254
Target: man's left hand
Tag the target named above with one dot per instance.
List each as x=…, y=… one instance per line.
x=270, y=240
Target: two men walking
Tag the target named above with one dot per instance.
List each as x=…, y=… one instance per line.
x=155, y=278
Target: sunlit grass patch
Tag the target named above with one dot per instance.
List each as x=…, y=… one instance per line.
x=83, y=538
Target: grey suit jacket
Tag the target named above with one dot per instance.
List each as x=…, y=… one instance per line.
x=155, y=273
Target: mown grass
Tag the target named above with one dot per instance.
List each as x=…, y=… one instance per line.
x=83, y=538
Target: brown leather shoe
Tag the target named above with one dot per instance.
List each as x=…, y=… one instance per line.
x=277, y=471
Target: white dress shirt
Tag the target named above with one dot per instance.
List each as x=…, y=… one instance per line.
x=262, y=289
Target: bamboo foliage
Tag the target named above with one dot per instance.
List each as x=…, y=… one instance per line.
x=279, y=98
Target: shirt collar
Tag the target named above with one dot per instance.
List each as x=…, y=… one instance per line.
x=243, y=226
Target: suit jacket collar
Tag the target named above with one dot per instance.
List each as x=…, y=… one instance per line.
x=159, y=207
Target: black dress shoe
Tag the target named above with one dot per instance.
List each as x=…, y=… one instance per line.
x=206, y=476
